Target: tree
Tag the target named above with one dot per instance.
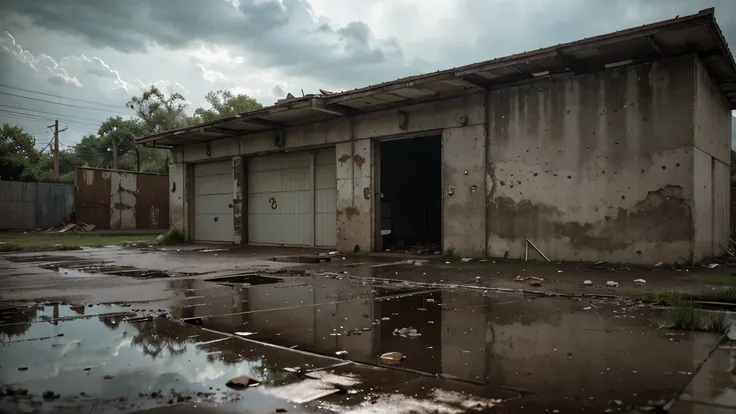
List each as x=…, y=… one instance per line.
x=119, y=135
x=223, y=104
x=157, y=112
x=17, y=152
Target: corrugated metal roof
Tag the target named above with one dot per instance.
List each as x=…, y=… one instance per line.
x=695, y=34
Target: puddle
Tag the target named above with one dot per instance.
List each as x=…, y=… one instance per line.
x=247, y=280
x=39, y=258
x=555, y=348
x=117, y=364
x=86, y=269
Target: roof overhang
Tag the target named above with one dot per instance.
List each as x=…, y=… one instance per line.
x=696, y=34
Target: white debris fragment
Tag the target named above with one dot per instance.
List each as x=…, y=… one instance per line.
x=640, y=281
x=466, y=259
x=332, y=253
x=587, y=308
x=713, y=265
x=245, y=333
x=588, y=283
x=611, y=283
x=341, y=353
x=409, y=332
x=660, y=264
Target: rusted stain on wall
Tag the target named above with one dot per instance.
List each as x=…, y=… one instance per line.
x=92, y=196
x=238, y=179
x=359, y=161
x=121, y=199
x=152, y=202
x=349, y=212
x=662, y=216
x=343, y=158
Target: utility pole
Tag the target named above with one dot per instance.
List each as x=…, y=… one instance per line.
x=114, y=154
x=56, y=147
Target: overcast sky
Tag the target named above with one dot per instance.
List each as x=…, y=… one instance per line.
x=104, y=51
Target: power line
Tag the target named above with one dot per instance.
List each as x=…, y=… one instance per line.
x=48, y=113
x=64, y=104
x=62, y=97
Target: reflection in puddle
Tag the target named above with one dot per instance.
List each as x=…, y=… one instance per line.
x=247, y=279
x=113, y=364
x=81, y=269
x=594, y=355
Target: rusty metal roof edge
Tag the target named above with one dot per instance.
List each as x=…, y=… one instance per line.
x=707, y=16
x=118, y=170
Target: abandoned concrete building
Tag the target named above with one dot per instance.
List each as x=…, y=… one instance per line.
x=615, y=148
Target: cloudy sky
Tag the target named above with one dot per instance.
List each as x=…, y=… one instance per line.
x=88, y=57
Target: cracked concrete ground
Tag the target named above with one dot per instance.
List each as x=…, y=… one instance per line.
x=163, y=330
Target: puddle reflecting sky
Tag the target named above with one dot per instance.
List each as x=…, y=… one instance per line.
x=582, y=351
x=141, y=357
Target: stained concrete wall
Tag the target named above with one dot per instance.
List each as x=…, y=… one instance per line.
x=123, y=191
x=596, y=166
x=589, y=167
x=712, y=143
x=178, y=212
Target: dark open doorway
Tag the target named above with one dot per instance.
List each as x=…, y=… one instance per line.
x=411, y=194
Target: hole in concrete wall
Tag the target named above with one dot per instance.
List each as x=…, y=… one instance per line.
x=411, y=187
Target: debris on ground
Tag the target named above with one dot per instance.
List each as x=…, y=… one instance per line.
x=392, y=357
x=244, y=381
x=659, y=265
x=588, y=282
x=108, y=377
x=640, y=281
x=587, y=308
x=22, y=368
x=611, y=283
x=409, y=332
x=332, y=253
x=713, y=265
x=50, y=395
x=522, y=279
x=66, y=228
x=600, y=264
x=160, y=237
x=466, y=259
x=245, y=333
x=341, y=353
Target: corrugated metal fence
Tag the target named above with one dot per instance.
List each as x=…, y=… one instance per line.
x=121, y=200
x=27, y=206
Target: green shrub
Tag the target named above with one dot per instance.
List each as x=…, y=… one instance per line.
x=172, y=236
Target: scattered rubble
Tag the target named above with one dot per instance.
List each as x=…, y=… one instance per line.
x=640, y=281
x=588, y=283
x=392, y=357
x=50, y=395
x=611, y=283
x=244, y=381
x=409, y=332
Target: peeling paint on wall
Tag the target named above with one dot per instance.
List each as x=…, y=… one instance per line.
x=124, y=189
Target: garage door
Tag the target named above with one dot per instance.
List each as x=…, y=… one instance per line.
x=213, y=198
x=291, y=199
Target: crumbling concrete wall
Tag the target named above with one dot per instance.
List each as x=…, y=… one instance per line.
x=597, y=166
x=354, y=194
x=123, y=192
x=607, y=165
x=178, y=194
x=712, y=147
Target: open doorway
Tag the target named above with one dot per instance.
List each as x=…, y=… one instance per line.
x=411, y=195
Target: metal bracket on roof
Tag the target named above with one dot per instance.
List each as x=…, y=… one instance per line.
x=403, y=120
x=319, y=105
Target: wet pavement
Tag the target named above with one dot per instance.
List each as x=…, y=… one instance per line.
x=125, y=330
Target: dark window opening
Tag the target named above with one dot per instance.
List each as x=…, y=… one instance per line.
x=411, y=194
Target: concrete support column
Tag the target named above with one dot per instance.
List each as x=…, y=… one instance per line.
x=239, y=207
x=177, y=197
x=463, y=182
x=354, y=195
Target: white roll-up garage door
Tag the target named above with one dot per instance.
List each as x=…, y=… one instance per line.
x=291, y=199
x=213, y=198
